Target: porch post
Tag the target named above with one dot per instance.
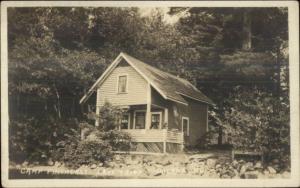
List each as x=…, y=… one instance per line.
x=97, y=116
x=148, y=112
x=165, y=140
x=166, y=115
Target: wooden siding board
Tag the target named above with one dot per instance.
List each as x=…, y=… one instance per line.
x=197, y=114
x=198, y=121
x=137, y=88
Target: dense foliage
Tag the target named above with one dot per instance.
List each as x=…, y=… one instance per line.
x=236, y=56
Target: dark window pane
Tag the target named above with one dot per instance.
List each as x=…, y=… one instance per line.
x=155, y=120
x=125, y=121
x=140, y=120
x=122, y=84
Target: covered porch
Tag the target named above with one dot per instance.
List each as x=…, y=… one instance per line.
x=148, y=128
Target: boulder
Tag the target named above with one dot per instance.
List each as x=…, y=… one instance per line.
x=132, y=162
x=211, y=163
x=157, y=174
x=271, y=170
x=275, y=161
x=50, y=162
x=100, y=164
x=93, y=166
x=266, y=172
x=218, y=166
x=164, y=163
x=286, y=174
x=258, y=165
x=251, y=175
x=235, y=163
x=117, y=157
x=57, y=164
x=249, y=164
x=243, y=169
x=200, y=157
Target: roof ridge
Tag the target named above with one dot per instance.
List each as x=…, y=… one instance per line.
x=169, y=74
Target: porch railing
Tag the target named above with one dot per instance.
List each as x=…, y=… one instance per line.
x=156, y=135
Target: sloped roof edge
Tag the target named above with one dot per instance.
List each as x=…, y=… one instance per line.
x=111, y=67
x=128, y=59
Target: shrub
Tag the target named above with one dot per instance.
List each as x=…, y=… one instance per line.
x=34, y=139
x=76, y=151
x=96, y=146
x=255, y=120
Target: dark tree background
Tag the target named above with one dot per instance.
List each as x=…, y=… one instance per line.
x=237, y=56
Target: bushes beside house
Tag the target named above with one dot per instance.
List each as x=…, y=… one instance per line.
x=252, y=120
x=67, y=141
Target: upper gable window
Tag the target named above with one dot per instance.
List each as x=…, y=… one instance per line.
x=122, y=84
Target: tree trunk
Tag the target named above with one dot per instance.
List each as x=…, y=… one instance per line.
x=220, y=137
x=278, y=67
x=58, y=106
x=246, y=41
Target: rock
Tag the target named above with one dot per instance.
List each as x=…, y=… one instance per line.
x=241, y=161
x=164, y=163
x=117, y=157
x=243, y=169
x=275, y=161
x=218, y=166
x=211, y=163
x=25, y=163
x=199, y=157
x=286, y=174
x=57, y=164
x=258, y=165
x=50, y=162
x=93, y=166
x=100, y=164
x=251, y=175
x=235, y=163
x=266, y=172
x=157, y=174
x=249, y=164
x=271, y=170
x=113, y=164
x=236, y=173
x=276, y=167
x=132, y=162
x=36, y=163
x=225, y=176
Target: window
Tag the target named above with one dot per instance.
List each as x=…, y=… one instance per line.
x=185, y=126
x=125, y=121
x=122, y=84
x=140, y=120
x=155, y=120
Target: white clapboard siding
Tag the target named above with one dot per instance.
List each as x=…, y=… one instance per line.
x=137, y=88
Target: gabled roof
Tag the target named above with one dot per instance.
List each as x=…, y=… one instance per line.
x=169, y=86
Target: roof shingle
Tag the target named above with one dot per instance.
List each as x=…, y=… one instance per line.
x=172, y=86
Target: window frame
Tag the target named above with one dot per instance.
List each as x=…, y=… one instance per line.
x=128, y=124
x=160, y=118
x=188, y=125
x=134, y=116
x=118, y=82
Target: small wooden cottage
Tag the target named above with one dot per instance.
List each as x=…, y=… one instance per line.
x=164, y=113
